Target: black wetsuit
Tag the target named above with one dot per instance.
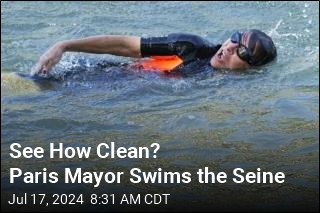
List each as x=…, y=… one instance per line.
x=194, y=50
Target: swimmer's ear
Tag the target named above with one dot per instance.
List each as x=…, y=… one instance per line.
x=161, y=63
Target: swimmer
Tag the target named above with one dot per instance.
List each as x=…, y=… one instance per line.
x=177, y=54
x=241, y=51
x=173, y=53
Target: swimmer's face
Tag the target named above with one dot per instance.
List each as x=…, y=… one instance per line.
x=232, y=55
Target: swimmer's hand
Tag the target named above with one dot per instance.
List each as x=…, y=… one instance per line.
x=51, y=57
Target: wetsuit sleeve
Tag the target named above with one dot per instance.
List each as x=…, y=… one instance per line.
x=187, y=46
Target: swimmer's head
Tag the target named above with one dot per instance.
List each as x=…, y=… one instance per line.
x=244, y=50
x=261, y=46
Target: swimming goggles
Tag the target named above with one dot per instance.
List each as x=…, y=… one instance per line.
x=242, y=51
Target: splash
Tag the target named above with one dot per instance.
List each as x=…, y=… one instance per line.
x=274, y=33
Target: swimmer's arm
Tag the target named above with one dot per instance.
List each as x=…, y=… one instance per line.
x=105, y=44
x=110, y=44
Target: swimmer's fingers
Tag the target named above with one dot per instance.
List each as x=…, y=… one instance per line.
x=41, y=67
x=48, y=60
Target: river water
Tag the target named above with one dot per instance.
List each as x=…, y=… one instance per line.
x=266, y=120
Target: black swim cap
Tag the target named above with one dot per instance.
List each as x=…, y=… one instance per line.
x=262, y=47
